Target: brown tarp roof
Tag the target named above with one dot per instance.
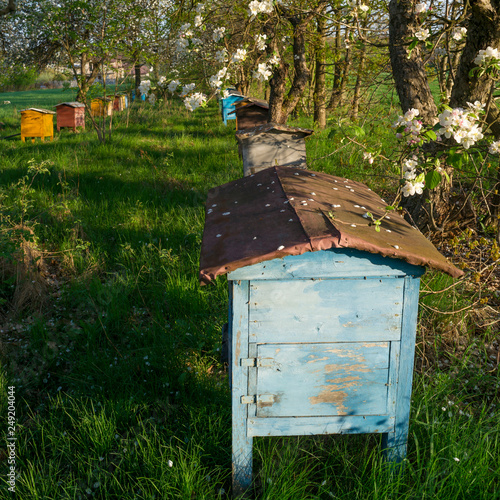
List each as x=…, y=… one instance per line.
x=284, y=211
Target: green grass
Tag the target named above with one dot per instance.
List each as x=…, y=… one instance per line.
x=120, y=392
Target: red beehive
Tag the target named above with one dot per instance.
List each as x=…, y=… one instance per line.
x=71, y=115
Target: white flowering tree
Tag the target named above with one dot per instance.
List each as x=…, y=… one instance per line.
x=460, y=40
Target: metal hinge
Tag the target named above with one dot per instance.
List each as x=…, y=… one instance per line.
x=260, y=399
x=259, y=362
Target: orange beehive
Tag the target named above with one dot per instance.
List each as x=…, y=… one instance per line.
x=71, y=115
x=102, y=106
x=37, y=123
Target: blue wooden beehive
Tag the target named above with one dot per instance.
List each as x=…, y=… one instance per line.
x=323, y=308
x=228, y=106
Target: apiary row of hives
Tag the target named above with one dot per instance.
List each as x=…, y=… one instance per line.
x=36, y=122
x=322, y=301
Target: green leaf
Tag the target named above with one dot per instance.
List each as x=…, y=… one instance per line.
x=413, y=44
x=454, y=159
x=420, y=178
x=430, y=134
x=432, y=179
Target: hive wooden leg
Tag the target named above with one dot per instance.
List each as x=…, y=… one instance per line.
x=395, y=443
x=241, y=442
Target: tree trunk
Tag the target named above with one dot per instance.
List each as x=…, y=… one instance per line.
x=281, y=107
x=137, y=72
x=357, y=87
x=319, y=96
x=301, y=74
x=277, y=92
x=341, y=72
x=86, y=81
x=409, y=73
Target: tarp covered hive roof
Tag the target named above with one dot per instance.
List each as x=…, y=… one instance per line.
x=284, y=211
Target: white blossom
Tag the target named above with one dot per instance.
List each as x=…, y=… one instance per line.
x=364, y=8
x=486, y=56
x=181, y=45
x=221, y=55
x=218, y=34
x=217, y=80
x=420, y=8
x=194, y=101
x=461, y=124
x=422, y=34
x=260, y=42
x=274, y=60
x=458, y=33
x=187, y=89
x=198, y=21
x=239, y=55
x=495, y=148
x=173, y=85
x=255, y=7
x=262, y=72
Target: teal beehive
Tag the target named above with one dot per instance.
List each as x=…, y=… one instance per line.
x=323, y=308
x=227, y=105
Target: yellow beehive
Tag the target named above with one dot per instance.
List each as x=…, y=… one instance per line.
x=101, y=106
x=37, y=123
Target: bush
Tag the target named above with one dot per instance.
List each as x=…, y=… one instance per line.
x=17, y=77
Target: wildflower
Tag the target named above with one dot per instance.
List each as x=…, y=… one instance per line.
x=368, y=157
x=363, y=8
x=456, y=459
x=170, y=463
x=198, y=21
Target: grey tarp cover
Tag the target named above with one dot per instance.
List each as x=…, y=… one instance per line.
x=284, y=211
x=72, y=104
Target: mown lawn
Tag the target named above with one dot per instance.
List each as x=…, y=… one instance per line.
x=114, y=347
